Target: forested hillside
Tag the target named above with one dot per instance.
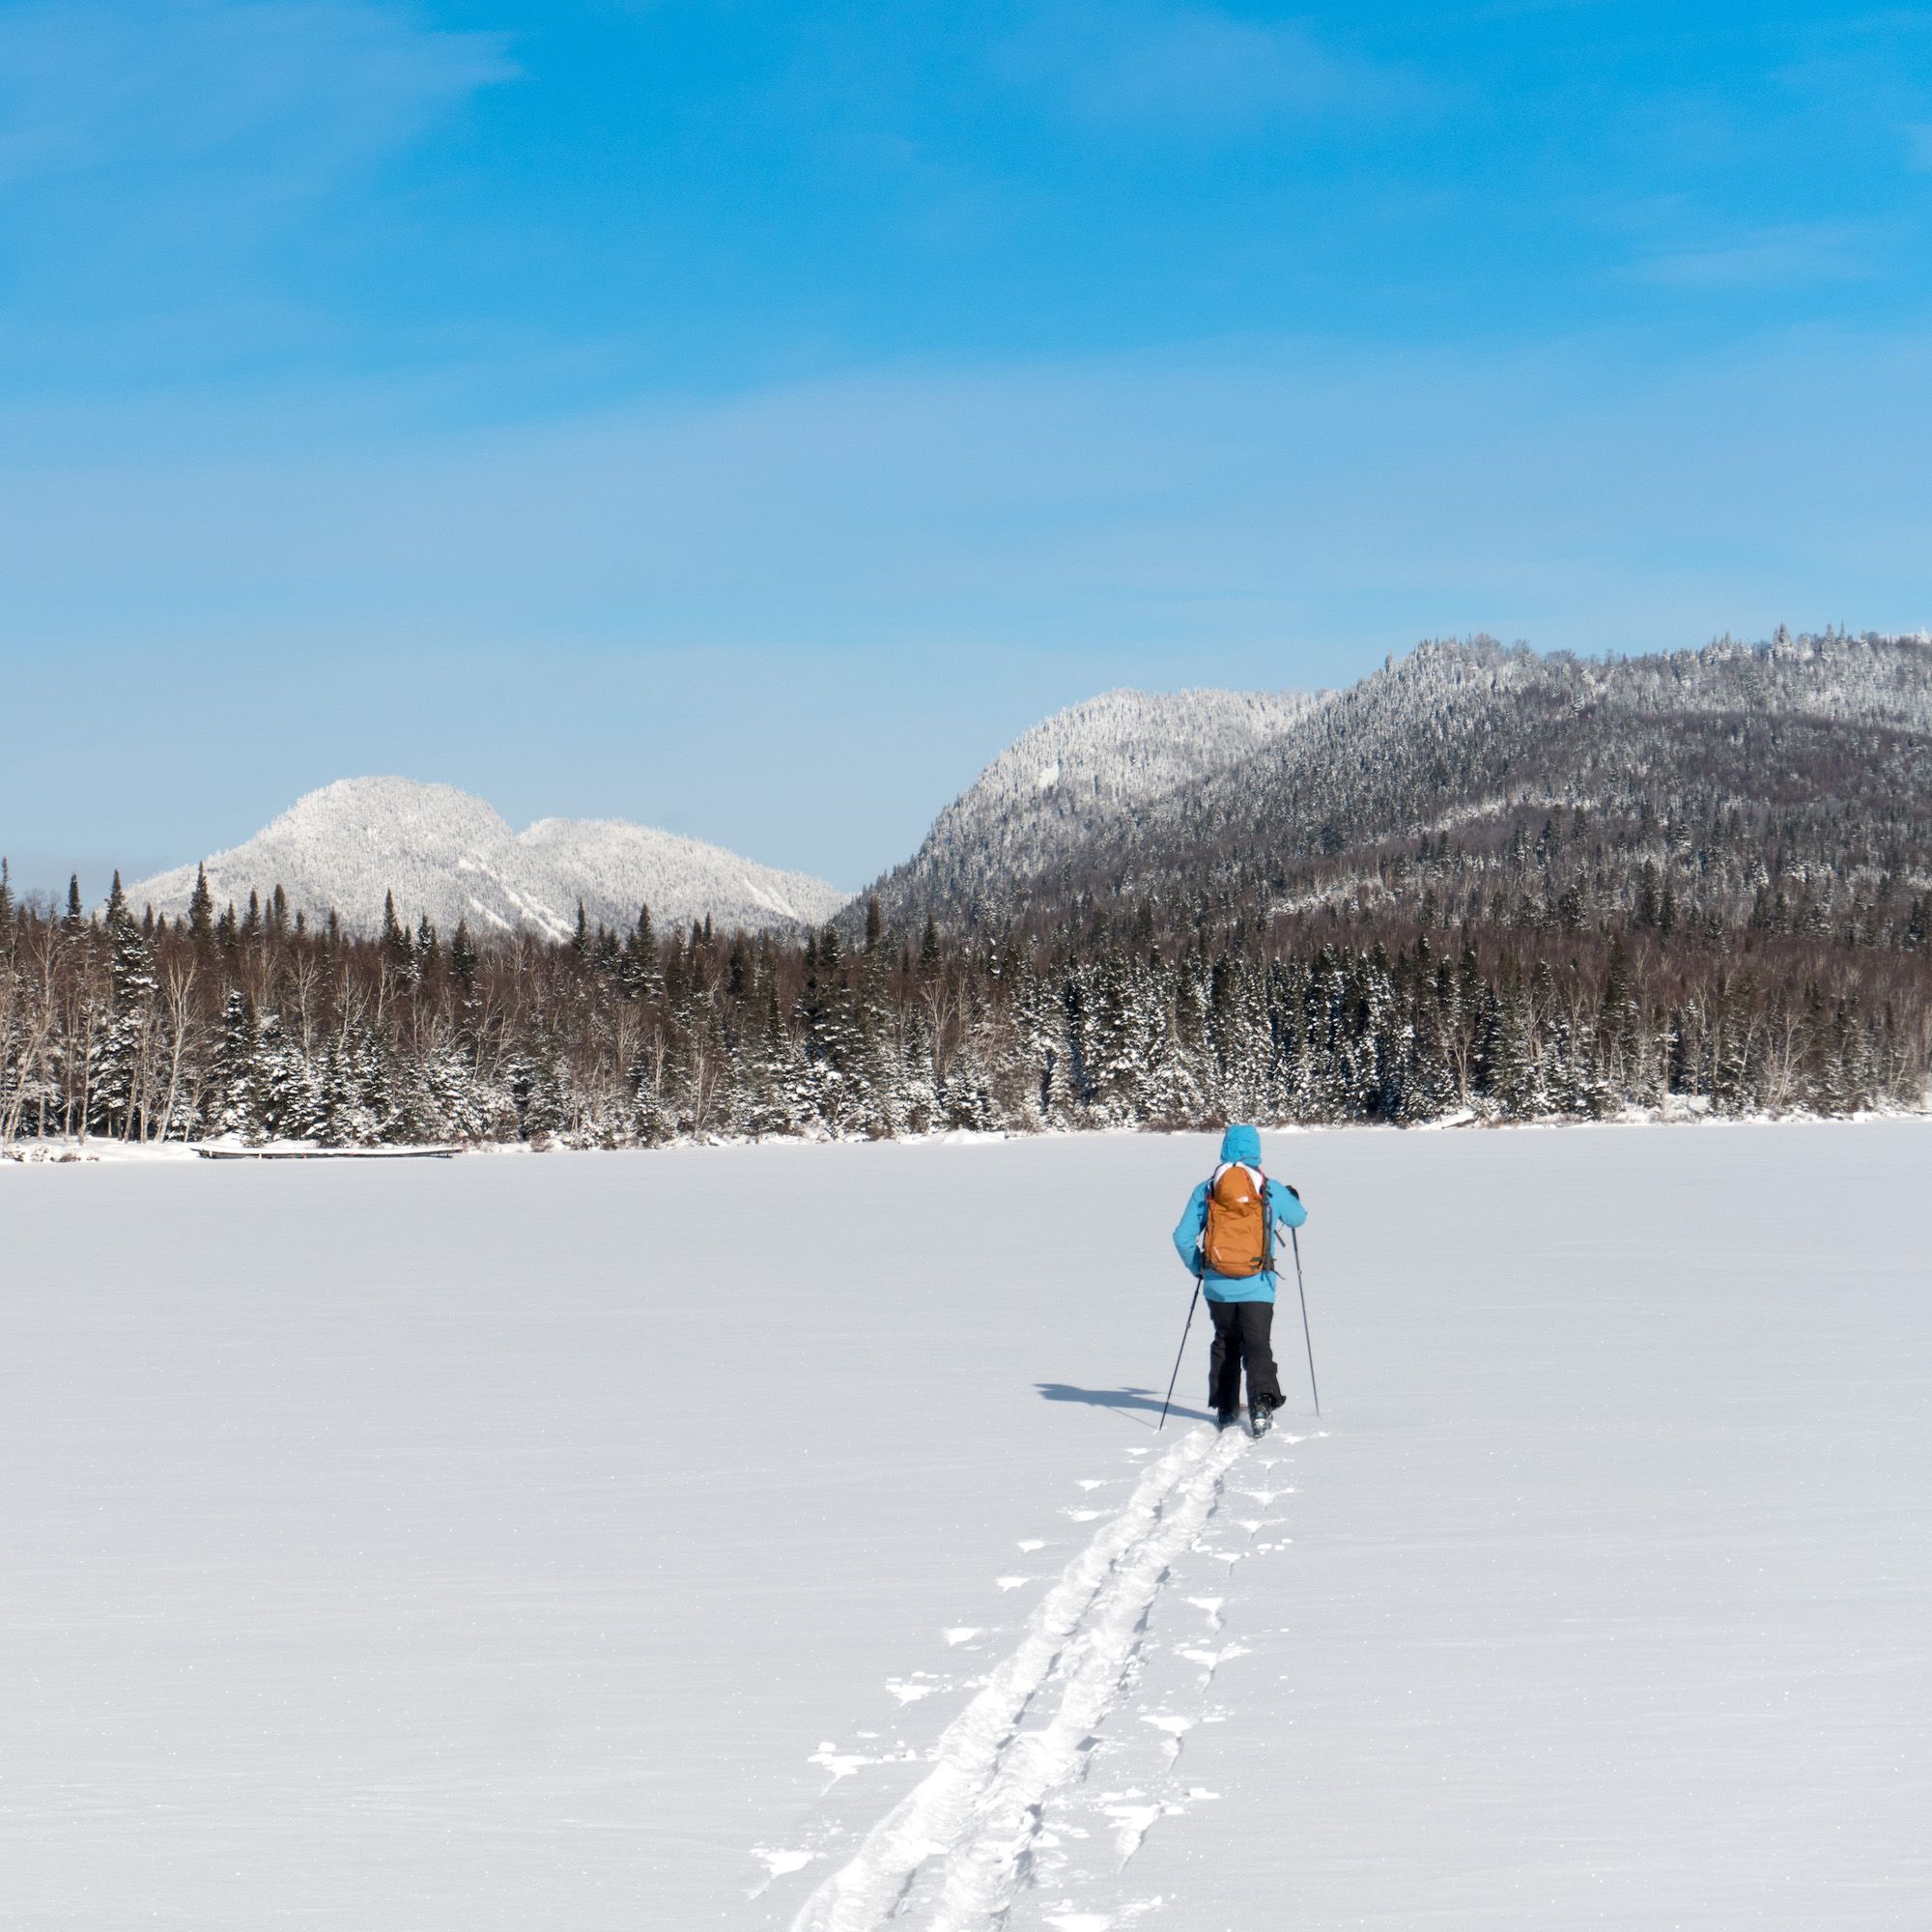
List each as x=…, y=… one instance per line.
x=1074, y=784
x=1785, y=789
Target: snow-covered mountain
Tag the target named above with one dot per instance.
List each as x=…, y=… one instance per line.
x=1089, y=773
x=448, y=855
x=1803, y=767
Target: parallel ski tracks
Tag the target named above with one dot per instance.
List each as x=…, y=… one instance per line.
x=974, y=1819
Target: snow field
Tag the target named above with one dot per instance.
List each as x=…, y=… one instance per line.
x=773, y=1537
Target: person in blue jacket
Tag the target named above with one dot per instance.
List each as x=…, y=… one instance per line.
x=1242, y=1308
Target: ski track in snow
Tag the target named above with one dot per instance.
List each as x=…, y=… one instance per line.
x=977, y=1812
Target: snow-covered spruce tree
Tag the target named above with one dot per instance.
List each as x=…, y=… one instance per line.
x=827, y=1039
x=876, y=1059
x=919, y=1105
x=127, y=1051
x=1511, y=1065
x=458, y=1105
x=1123, y=1021
x=353, y=1107
x=201, y=910
x=654, y=1114
x=968, y=1098
x=237, y=1107
x=537, y=1093
x=1332, y=1091
x=1169, y=1084
x=765, y=1103
x=1389, y=1034
x=287, y=1097
x=638, y=971
x=398, y=950
x=1040, y=1027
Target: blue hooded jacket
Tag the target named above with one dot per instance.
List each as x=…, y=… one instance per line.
x=1242, y=1145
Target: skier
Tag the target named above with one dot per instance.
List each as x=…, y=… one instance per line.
x=1226, y=1237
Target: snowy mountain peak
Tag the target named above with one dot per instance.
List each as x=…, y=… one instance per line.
x=390, y=815
x=1084, y=771
x=448, y=855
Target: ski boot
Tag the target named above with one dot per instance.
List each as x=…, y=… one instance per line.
x=1260, y=1413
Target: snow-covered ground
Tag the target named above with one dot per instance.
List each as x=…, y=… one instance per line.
x=677, y=1540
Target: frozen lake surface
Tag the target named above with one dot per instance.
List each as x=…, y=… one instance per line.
x=758, y=1537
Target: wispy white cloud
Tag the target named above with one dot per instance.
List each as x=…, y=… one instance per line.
x=1199, y=67
x=302, y=90
x=1208, y=500
x=160, y=138
x=943, y=556
x=1792, y=255
x=159, y=157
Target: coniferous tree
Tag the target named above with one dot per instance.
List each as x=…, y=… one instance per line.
x=201, y=910
x=1511, y=1059
x=463, y=957
x=124, y=1051
x=397, y=947
x=238, y=1104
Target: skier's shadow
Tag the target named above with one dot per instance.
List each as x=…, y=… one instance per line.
x=1127, y=1401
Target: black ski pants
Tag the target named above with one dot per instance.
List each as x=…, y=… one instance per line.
x=1243, y=1332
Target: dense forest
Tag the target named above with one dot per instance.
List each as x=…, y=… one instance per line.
x=1533, y=996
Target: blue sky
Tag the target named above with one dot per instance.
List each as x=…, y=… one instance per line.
x=747, y=419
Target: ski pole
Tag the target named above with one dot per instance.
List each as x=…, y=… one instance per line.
x=1310, y=1346
x=1176, y=1375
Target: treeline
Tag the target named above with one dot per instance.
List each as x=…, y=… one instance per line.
x=255, y=1024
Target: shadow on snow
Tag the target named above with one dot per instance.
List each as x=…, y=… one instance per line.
x=1136, y=1403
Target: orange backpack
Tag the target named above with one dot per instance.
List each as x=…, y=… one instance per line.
x=1240, y=1236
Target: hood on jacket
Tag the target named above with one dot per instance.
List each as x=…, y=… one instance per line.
x=1243, y=1144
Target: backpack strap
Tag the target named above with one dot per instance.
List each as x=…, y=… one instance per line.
x=1206, y=1208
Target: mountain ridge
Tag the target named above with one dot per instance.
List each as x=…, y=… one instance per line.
x=1801, y=762
x=447, y=855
